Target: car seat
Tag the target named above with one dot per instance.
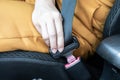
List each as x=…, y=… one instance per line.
x=26, y=65
x=109, y=48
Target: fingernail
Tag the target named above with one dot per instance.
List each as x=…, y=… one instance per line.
x=60, y=49
x=54, y=51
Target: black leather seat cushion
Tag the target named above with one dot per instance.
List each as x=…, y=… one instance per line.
x=109, y=49
x=25, y=65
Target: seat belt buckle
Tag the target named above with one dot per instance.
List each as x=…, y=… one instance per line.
x=67, y=49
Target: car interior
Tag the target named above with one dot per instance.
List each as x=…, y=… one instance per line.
x=104, y=65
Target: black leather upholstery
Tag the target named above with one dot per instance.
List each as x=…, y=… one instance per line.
x=112, y=25
x=24, y=65
x=109, y=49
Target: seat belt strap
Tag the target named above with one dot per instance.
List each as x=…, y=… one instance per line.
x=75, y=68
x=68, y=7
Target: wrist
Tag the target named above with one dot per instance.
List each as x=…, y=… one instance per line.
x=47, y=2
x=43, y=5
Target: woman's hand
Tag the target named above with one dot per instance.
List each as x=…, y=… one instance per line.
x=48, y=21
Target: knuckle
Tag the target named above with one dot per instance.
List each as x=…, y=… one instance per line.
x=47, y=15
x=60, y=34
x=48, y=18
x=57, y=14
x=52, y=35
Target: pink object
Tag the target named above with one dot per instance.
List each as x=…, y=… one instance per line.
x=72, y=61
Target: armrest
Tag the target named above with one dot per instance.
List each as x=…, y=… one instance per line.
x=109, y=49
